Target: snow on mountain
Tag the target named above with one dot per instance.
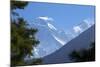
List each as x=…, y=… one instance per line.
x=51, y=38
x=58, y=35
x=62, y=55
x=51, y=26
x=84, y=25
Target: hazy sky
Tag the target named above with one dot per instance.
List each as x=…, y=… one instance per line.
x=65, y=15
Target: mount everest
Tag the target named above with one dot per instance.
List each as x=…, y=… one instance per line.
x=51, y=38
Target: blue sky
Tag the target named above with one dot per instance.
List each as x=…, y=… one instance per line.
x=65, y=15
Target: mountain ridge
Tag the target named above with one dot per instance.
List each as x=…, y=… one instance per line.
x=59, y=56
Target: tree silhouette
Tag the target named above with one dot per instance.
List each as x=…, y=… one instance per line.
x=22, y=41
x=22, y=37
x=84, y=54
x=18, y=4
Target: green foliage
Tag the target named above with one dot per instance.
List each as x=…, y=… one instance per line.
x=84, y=54
x=22, y=37
x=22, y=41
x=37, y=61
x=18, y=4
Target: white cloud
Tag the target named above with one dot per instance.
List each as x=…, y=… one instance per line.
x=89, y=22
x=45, y=18
x=44, y=22
x=77, y=29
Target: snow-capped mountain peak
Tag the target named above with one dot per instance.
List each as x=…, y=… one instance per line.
x=46, y=22
x=51, y=38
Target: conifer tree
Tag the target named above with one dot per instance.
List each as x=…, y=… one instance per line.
x=22, y=36
x=84, y=54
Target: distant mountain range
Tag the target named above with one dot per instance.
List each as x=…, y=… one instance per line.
x=52, y=39
x=82, y=41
